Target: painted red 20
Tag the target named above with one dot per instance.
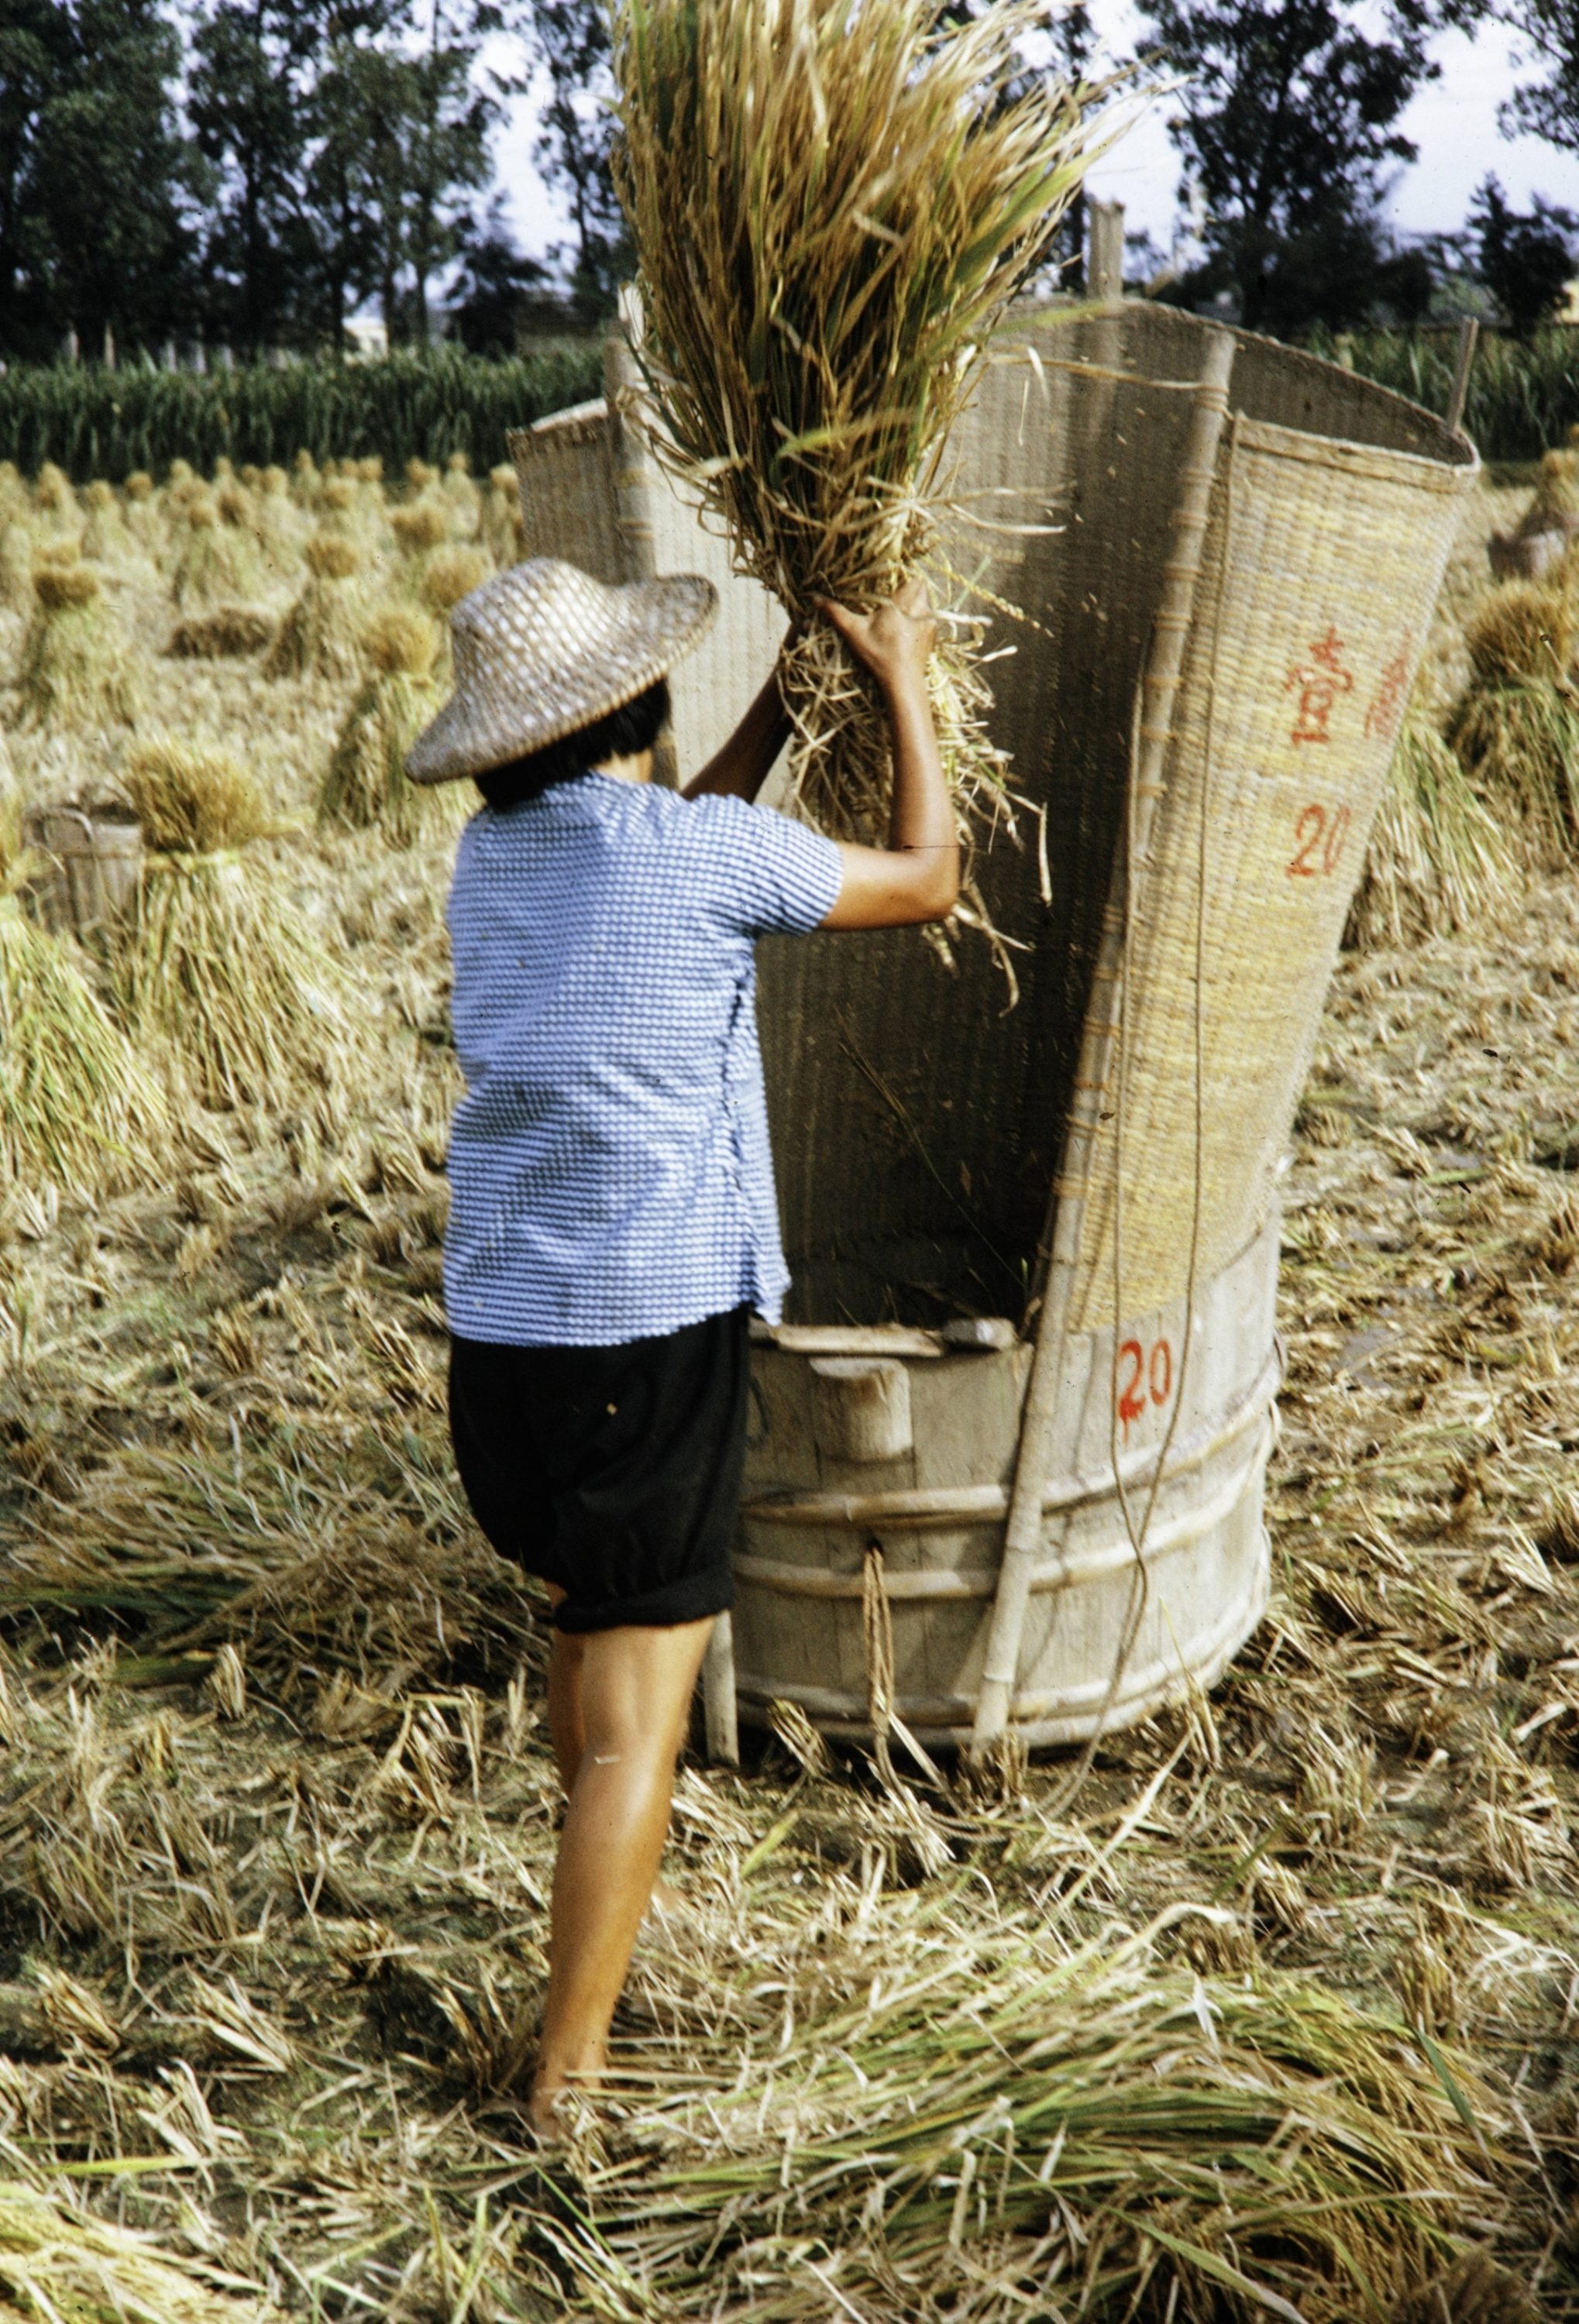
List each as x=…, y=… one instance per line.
x=1321, y=838
x=1142, y=1374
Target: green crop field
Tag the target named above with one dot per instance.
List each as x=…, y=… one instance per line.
x=93, y=422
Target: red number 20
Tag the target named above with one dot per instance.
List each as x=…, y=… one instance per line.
x=1321, y=838
x=1142, y=1375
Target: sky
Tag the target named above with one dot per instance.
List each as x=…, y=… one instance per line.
x=1453, y=122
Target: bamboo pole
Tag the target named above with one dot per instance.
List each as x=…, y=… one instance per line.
x=1469, y=331
x=1160, y=684
x=634, y=482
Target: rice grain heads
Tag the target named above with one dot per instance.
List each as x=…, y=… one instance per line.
x=220, y=968
x=832, y=207
x=367, y=781
x=75, y=665
x=1437, y=859
x=1516, y=727
x=320, y=636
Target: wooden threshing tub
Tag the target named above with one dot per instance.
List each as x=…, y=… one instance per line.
x=1227, y=600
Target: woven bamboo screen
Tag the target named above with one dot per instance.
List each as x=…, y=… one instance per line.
x=918, y=1120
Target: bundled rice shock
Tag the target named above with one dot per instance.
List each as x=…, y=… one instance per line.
x=320, y=636
x=367, y=782
x=76, y=1109
x=503, y=531
x=220, y=967
x=832, y=208
x=75, y=666
x=141, y=516
x=280, y=525
x=214, y=555
x=449, y=576
x=419, y=529
x=466, y=502
x=1516, y=727
x=104, y=536
x=15, y=567
x=56, y=503
x=16, y=506
x=1437, y=859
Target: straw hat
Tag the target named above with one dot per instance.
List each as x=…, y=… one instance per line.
x=543, y=649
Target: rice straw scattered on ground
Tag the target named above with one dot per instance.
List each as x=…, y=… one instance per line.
x=276, y=1713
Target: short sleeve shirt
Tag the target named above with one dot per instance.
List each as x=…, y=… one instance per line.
x=609, y=1166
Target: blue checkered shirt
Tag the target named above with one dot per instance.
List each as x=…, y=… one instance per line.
x=609, y=1175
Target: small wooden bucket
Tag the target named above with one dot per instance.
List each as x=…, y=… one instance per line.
x=94, y=860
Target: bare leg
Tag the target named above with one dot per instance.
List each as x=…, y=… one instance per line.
x=568, y=1729
x=633, y=1689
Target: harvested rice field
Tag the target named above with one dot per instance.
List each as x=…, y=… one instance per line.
x=1271, y=2011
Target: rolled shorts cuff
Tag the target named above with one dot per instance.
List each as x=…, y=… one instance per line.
x=690, y=1600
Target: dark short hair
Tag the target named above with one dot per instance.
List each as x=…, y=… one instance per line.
x=634, y=727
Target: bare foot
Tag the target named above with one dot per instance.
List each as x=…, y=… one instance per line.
x=555, y=2111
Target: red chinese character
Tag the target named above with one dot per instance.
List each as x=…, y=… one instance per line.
x=1388, y=701
x=1320, y=682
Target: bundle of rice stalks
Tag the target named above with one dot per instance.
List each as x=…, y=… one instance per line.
x=1526, y=629
x=450, y=574
x=466, y=502
x=235, y=505
x=104, y=536
x=219, y=966
x=1556, y=485
x=213, y=561
x=190, y=801
x=278, y=522
x=320, y=637
x=16, y=506
x=16, y=568
x=1516, y=727
x=367, y=782
x=1090, y=2135
x=229, y=629
x=1437, y=860
x=55, y=502
x=304, y=480
x=832, y=210
x=1520, y=743
x=338, y=507
x=76, y=1111
x=503, y=531
x=141, y=514
x=74, y=661
x=420, y=476
x=65, y=2266
x=420, y=528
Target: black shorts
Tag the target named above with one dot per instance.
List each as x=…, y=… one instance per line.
x=614, y=1472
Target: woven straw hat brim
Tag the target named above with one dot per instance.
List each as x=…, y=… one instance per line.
x=519, y=710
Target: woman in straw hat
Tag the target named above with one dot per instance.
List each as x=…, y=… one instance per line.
x=613, y=1222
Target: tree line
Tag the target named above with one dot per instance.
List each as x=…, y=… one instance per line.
x=249, y=173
